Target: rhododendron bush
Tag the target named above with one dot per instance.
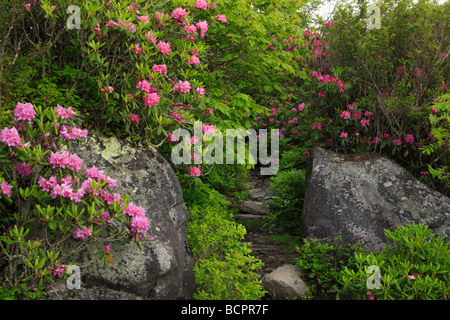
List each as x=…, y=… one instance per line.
x=370, y=90
x=40, y=181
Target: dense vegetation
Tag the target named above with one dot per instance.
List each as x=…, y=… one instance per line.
x=144, y=70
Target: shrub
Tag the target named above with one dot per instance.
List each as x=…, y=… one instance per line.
x=44, y=186
x=224, y=268
x=415, y=266
x=287, y=202
x=322, y=261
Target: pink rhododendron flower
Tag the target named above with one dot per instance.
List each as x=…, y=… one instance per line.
x=134, y=210
x=139, y=224
x=409, y=138
x=344, y=134
x=10, y=137
x=306, y=153
x=137, y=49
x=203, y=26
x=144, y=18
x=82, y=233
x=364, y=122
x=24, y=168
x=6, y=188
x=64, y=113
x=351, y=107
x=182, y=86
x=200, y=91
x=72, y=133
x=24, y=111
x=345, y=115
x=190, y=28
x=317, y=125
x=150, y=37
x=301, y=106
x=144, y=85
x=27, y=6
x=397, y=142
x=201, y=4
x=163, y=47
x=208, y=129
x=133, y=118
x=151, y=99
x=194, y=60
x=179, y=13
x=60, y=270
x=111, y=89
x=172, y=138
x=221, y=17
x=47, y=185
x=160, y=68
x=195, y=172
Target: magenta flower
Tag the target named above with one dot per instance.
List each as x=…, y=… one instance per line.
x=163, y=47
x=139, y=224
x=82, y=233
x=317, y=125
x=10, y=137
x=6, y=188
x=24, y=111
x=221, y=17
x=409, y=138
x=201, y=4
x=208, y=129
x=137, y=49
x=151, y=99
x=203, y=26
x=344, y=134
x=364, y=122
x=182, y=86
x=160, y=68
x=345, y=115
x=64, y=113
x=195, y=172
x=24, y=168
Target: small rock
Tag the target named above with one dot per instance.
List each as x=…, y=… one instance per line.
x=285, y=282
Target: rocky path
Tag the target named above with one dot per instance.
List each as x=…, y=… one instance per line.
x=270, y=251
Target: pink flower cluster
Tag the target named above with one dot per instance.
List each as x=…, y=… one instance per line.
x=72, y=133
x=195, y=172
x=65, y=159
x=6, y=188
x=64, y=113
x=161, y=68
x=24, y=111
x=201, y=4
x=182, y=86
x=82, y=233
x=164, y=47
x=10, y=137
x=139, y=222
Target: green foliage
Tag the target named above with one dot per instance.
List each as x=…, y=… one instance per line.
x=22, y=292
x=224, y=268
x=440, y=132
x=322, y=261
x=416, y=266
x=287, y=202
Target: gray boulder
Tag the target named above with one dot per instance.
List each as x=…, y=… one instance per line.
x=164, y=268
x=358, y=196
x=285, y=282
